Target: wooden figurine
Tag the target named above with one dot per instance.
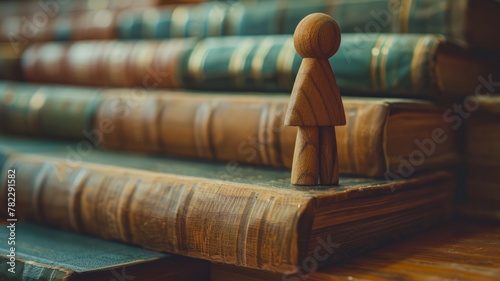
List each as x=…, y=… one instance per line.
x=315, y=104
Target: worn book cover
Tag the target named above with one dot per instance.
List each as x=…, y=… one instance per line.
x=385, y=138
x=228, y=213
x=378, y=64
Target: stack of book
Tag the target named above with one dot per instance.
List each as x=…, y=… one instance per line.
x=147, y=138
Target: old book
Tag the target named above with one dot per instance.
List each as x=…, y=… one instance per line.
x=45, y=254
x=226, y=213
x=31, y=7
x=44, y=24
x=459, y=250
x=25, y=23
x=383, y=137
x=482, y=140
x=64, y=113
x=398, y=65
x=176, y=21
x=469, y=21
x=464, y=21
x=374, y=65
x=108, y=63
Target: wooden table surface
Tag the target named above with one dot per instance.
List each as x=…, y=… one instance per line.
x=460, y=250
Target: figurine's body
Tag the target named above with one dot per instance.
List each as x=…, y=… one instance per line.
x=315, y=105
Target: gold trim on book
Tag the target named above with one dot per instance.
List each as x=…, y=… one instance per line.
x=145, y=54
x=383, y=62
x=216, y=16
x=404, y=16
x=202, y=130
x=180, y=17
x=238, y=60
x=234, y=18
x=284, y=63
x=196, y=61
x=258, y=59
x=36, y=102
x=415, y=62
x=373, y=63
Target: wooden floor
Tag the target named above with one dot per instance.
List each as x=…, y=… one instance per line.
x=462, y=249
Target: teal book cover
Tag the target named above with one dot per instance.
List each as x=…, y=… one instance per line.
x=33, y=252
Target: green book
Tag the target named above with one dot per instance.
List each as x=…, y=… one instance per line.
x=42, y=253
x=389, y=65
x=64, y=113
x=455, y=19
x=397, y=65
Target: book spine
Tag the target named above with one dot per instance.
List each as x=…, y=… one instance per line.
x=443, y=17
x=372, y=64
x=452, y=18
x=29, y=270
x=163, y=212
x=245, y=130
x=42, y=26
x=176, y=21
x=110, y=63
x=65, y=112
x=62, y=8
x=376, y=64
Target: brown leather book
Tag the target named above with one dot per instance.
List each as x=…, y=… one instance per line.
x=383, y=137
x=225, y=213
x=150, y=64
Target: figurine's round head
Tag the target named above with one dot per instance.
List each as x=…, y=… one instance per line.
x=317, y=36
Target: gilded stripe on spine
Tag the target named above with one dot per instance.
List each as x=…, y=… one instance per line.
x=383, y=62
x=180, y=18
x=374, y=61
x=416, y=74
x=196, y=61
x=259, y=57
x=238, y=60
x=404, y=16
